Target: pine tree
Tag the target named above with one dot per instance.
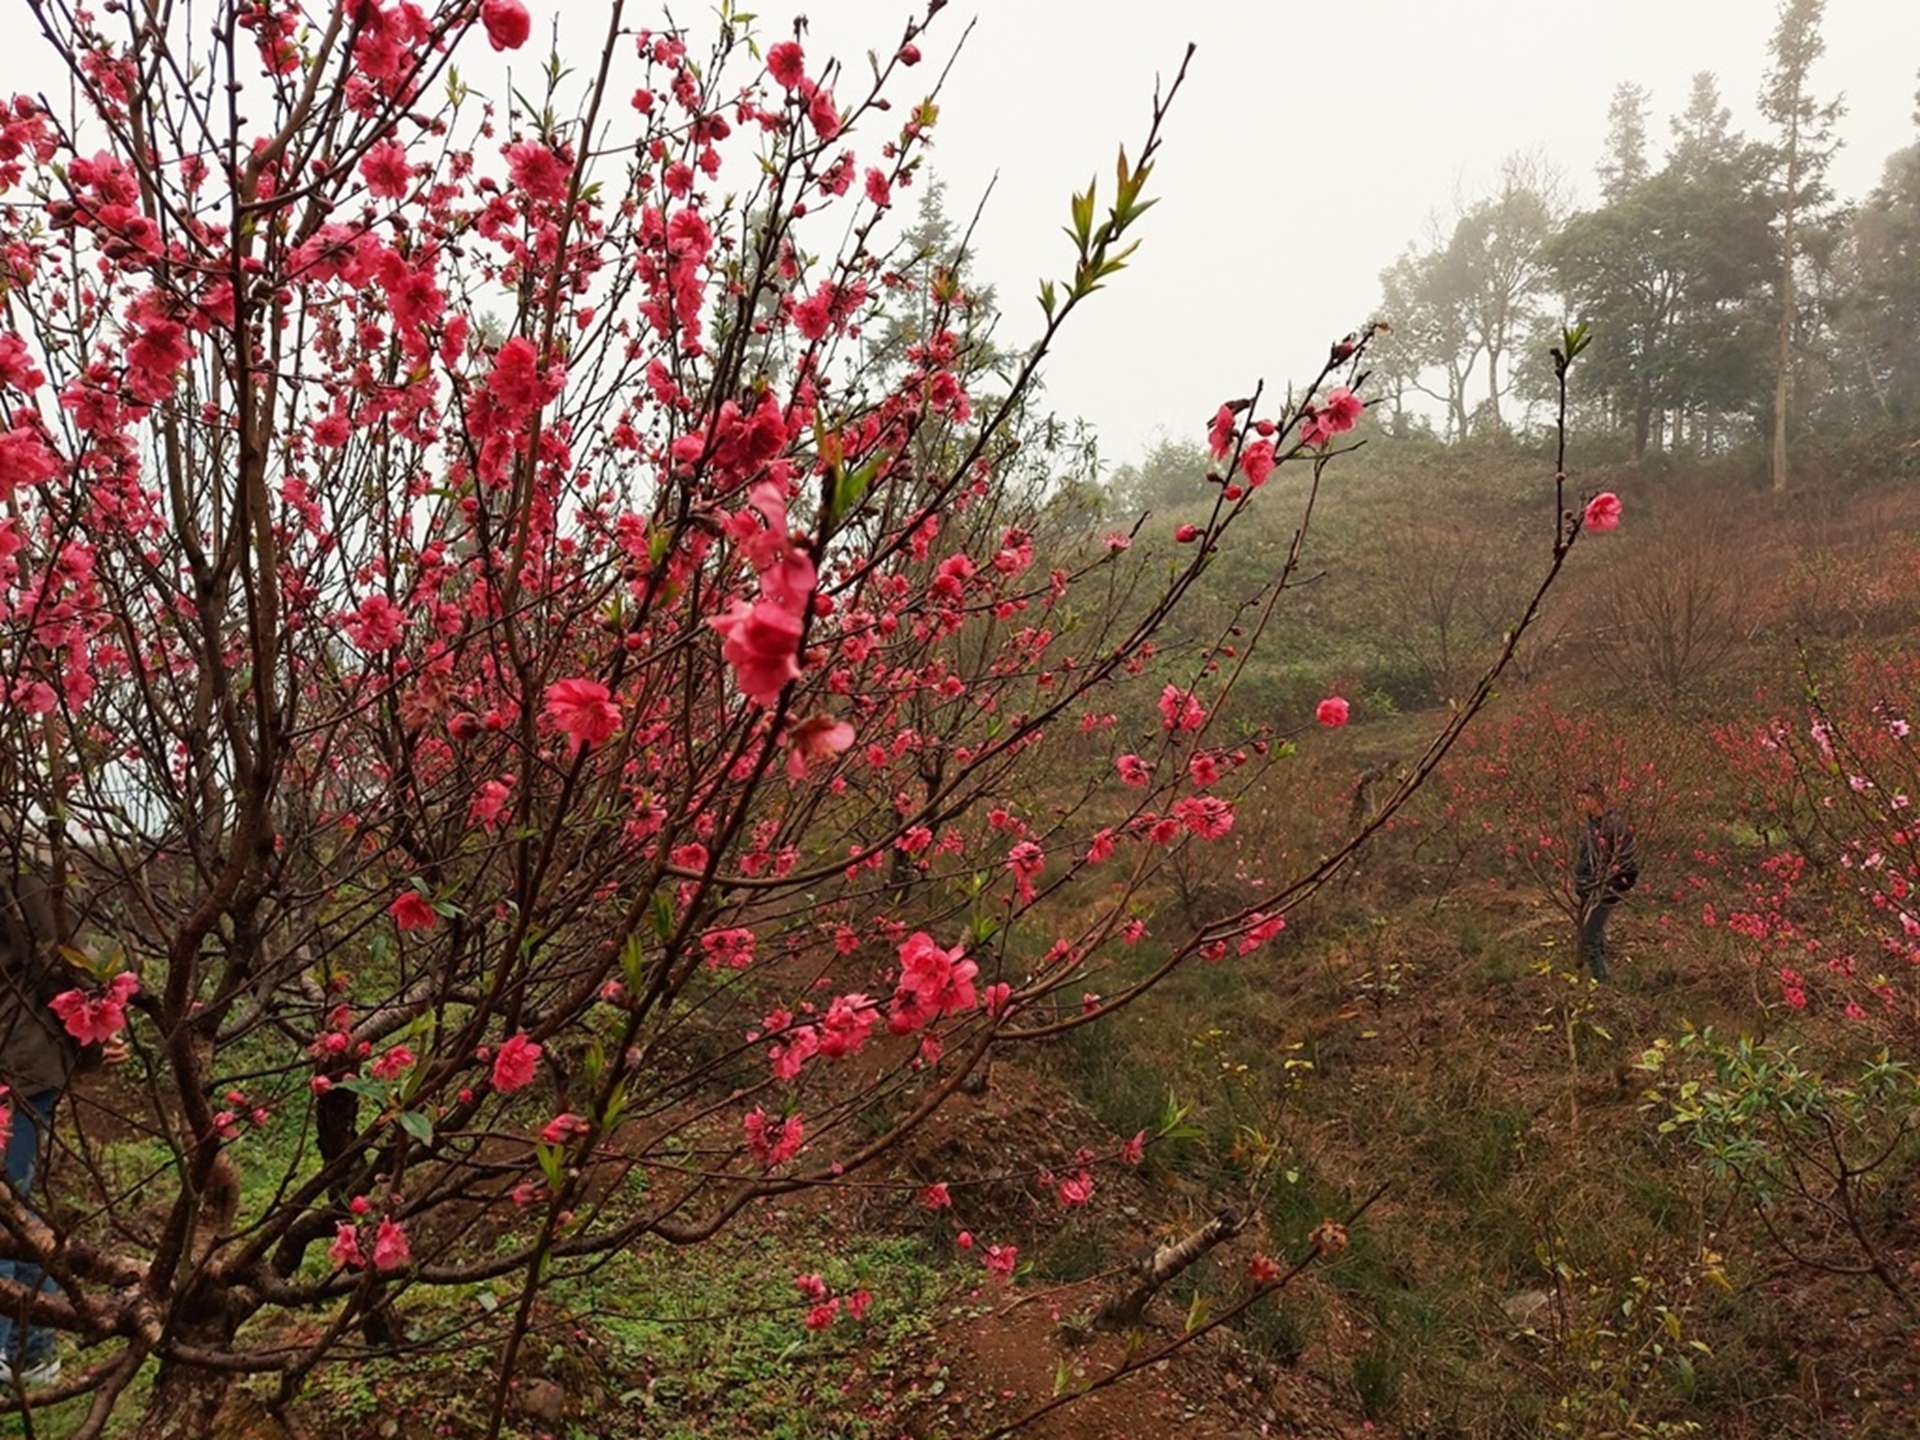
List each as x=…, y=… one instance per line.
x=1623, y=164
x=1805, y=146
x=1702, y=133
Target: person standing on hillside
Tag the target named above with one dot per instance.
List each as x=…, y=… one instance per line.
x=1606, y=866
x=37, y=1060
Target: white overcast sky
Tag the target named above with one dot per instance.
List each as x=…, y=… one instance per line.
x=1310, y=145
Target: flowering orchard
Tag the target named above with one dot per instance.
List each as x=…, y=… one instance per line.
x=1831, y=911
x=524, y=707
x=1509, y=794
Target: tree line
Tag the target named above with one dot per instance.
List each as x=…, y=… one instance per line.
x=1735, y=299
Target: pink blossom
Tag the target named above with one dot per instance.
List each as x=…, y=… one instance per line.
x=94, y=1019
x=935, y=1197
x=582, y=710
x=1207, y=816
x=25, y=461
x=345, y=1249
x=1257, y=462
x=390, y=1249
x=390, y=1065
x=933, y=982
x=761, y=642
x=515, y=1064
x=822, y=116
x=537, y=171
x=818, y=737
x=1341, y=410
x=772, y=1145
x=1181, y=710
x=1331, y=712
x=1026, y=860
x=386, y=171
x=507, y=22
x=1220, y=433
x=1001, y=1259
x=1134, y=771
x=562, y=1128
x=377, y=624
x=1603, y=511
x=787, y=63
x=410, y=911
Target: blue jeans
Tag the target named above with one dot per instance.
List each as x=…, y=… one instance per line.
x=32, y=1114
x=1593, y=937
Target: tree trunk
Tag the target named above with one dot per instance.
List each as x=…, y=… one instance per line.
x=184, y=1402
x=1783, y=353
x=1493, y=390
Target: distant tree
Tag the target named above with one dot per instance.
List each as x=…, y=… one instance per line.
x=1670, y=276
x=1473, y=292
x=1805, y=145
x=1623, y=163
x=1881, y=319
x=1171, y=473
x=1671, y=269
x=1498, y=249
x=1702, y=133
x=1430, y=348
x=932, y=245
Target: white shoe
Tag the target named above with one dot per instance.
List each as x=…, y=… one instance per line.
x=45, y=1373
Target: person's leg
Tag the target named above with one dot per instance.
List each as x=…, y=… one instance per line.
x=1593, y=940
x=32, y=1114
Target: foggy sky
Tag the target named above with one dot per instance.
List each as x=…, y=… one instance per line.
x=1309, y=147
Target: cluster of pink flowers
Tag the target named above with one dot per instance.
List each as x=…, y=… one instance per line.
x=771, y=1144
x=824, y=1307
x=1335, y=415
x=92, y=1019
x=390, y=1249
x=762, y=636
x=933, y=982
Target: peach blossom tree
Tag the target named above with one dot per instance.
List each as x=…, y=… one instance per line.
x=519, y=701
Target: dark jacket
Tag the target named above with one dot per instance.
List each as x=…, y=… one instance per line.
x=1608, y=862
x=36, y=1053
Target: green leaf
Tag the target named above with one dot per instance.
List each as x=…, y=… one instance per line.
x=1197, y=1313
x=850, y=490
x=417, y=1125
x=633, y=965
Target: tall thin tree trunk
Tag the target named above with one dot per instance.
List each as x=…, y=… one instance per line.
x=1783, y=354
